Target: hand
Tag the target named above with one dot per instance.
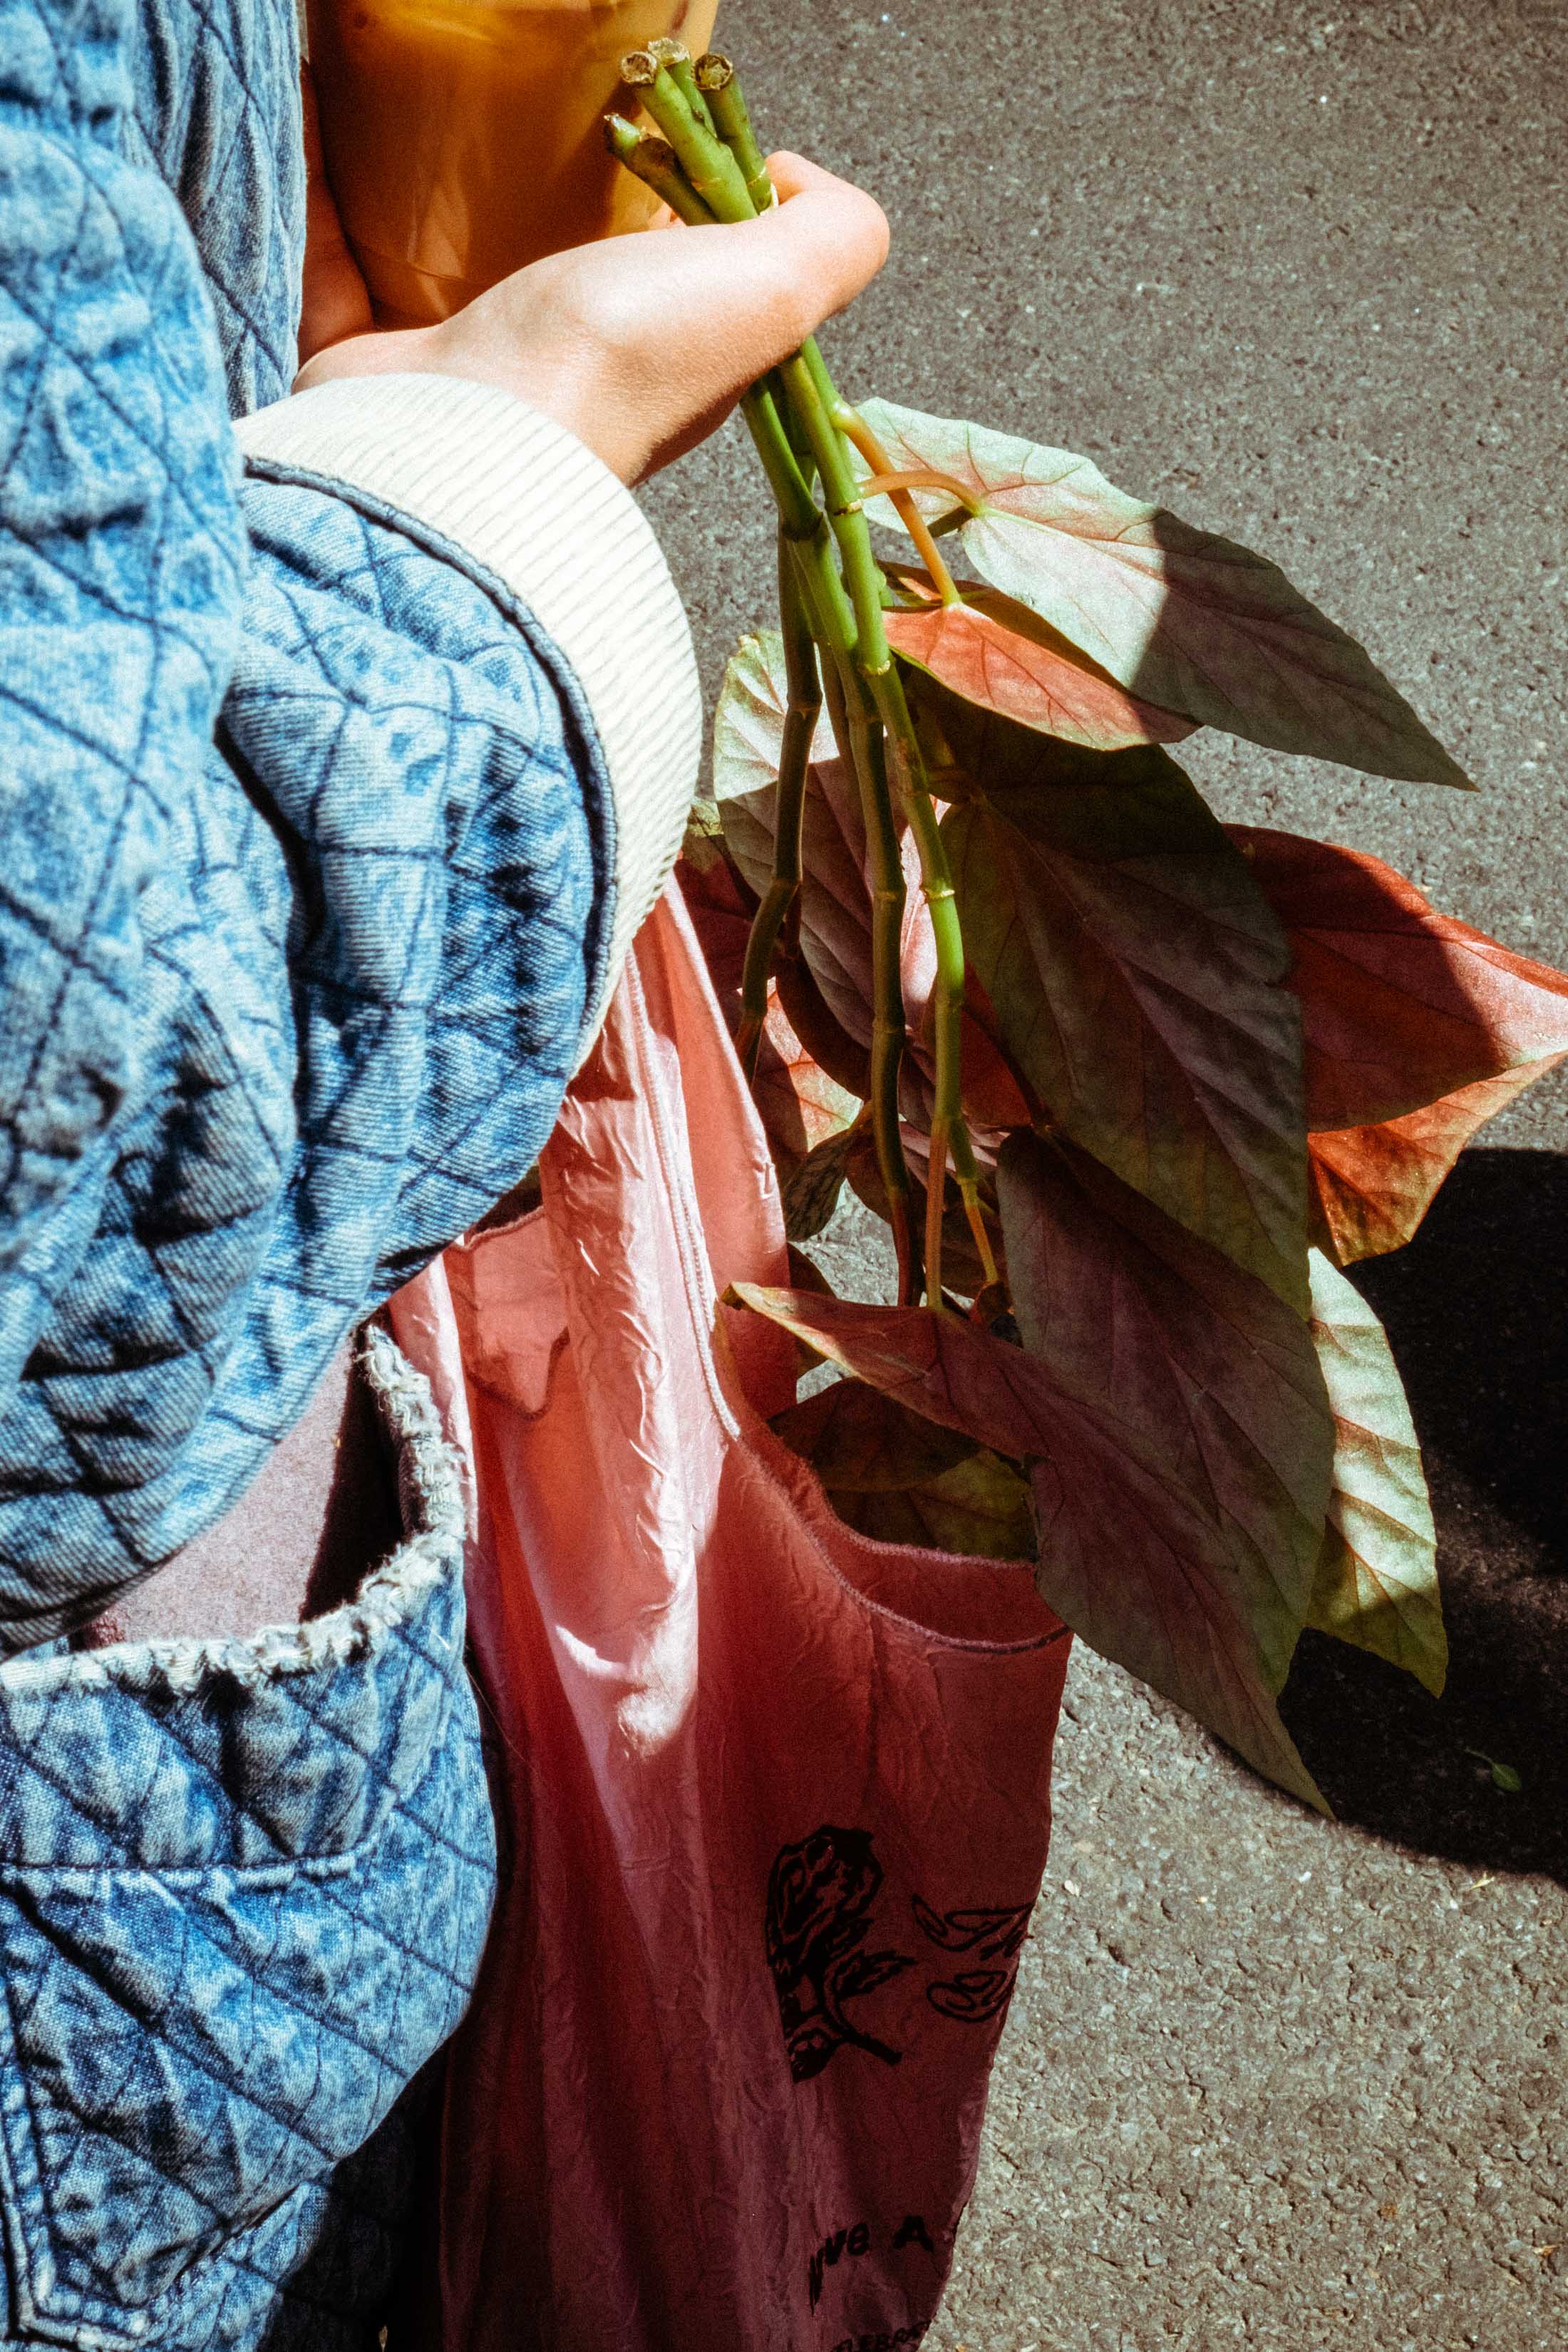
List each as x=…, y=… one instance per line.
x=641, y=345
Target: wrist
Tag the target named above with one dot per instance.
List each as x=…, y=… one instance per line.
x=561, y=388
x=407, y=351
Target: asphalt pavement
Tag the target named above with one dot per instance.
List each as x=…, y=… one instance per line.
x=1300, y=275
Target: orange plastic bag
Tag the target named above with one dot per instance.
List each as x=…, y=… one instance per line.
x=776, y=1796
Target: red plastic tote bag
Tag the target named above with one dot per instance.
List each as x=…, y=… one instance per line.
x=774, y=1796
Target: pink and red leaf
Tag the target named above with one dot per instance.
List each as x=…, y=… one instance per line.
x=1373, y=1185
x=801, y=1105
x=995, y=652
x=1184, y=620
x=1401, y=1006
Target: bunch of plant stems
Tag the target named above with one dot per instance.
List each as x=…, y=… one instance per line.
x=705, y=164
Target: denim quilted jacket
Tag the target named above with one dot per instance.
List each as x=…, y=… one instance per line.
x=312, y=884
x=307, y=836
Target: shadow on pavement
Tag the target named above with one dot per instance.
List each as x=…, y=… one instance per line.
x=1477, y=1310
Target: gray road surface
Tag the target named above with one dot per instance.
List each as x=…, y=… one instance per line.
x=1298, y=271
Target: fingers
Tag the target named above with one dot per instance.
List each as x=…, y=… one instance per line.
x=640, y=345
x=836, y=227
x=824, y=242
x=733, y=301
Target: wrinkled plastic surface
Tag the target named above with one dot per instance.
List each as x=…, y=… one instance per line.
x=776, y=1796
x=464, y=138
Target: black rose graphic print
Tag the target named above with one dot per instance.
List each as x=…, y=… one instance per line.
x=820, y=1894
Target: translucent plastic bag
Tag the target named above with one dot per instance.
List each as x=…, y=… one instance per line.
x=776, y=1796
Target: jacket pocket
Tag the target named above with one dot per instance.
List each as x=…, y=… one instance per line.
x=244, y=1888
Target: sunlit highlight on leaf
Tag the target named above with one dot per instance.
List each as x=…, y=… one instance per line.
x=1185, y=620
x=801, y=1105
x=748, y=724
x=1377, y=1584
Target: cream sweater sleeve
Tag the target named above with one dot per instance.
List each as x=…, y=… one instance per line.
x=534, y=506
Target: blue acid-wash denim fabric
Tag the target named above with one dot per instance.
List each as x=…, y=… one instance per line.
x=307, y=860
x=305, y=885
x=244, y=1885
x=215, y=113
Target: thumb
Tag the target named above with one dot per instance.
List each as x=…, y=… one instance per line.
x=827, y=237
x=765, y=285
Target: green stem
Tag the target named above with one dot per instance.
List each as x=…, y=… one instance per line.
x=720, y=85
x=801, y=714
x=704, y=158
x=829, y=613
x=805, y=376
x=849, y=421
x=858, y=735
x=868, y=755
x=833, y=674
x=862, y=574
x=866, y=694
x=676, y=57
x=948, y=1124
x=655, y=162
x=828, y=392
x=764, y=409
x=968, y=1176
x=766, y=414
x=799, y=514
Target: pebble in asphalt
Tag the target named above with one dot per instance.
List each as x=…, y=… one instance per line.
x=1298, y=271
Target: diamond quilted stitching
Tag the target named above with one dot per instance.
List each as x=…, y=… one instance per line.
x=216, y=114
x=370, y=979
x=237, y=1911
x=252, y=1104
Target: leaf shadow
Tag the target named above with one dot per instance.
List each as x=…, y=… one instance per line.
x=1476, y=1312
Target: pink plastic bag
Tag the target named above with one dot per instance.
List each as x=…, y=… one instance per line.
x=776, y=1797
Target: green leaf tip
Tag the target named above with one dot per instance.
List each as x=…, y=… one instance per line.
x=1504, y=1776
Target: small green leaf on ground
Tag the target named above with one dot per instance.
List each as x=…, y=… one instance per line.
x=1504, y=1776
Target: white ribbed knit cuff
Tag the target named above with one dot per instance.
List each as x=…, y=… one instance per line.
x=531, y=503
